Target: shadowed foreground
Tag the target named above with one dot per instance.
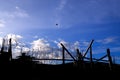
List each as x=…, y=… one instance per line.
x=68, y=71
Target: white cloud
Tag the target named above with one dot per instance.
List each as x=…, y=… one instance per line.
x=40, y=45
x=107, y=40
x=42, y=49
x=25, y=49
x=66, y=44
x=70, y=46
x=1, y=39
x=16, y=13
x=16, y=52
x=84, y=43
x=76, y=44
x=15, y=38
x=20, y=12
x=56, y=42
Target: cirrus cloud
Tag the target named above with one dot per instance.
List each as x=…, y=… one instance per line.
x=2, y=23
x=107, y=40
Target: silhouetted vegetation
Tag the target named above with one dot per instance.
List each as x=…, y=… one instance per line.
x=25, y=59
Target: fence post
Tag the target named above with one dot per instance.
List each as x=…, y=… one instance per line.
x=109, y=58
x=79, y=55
x=79, y=59
x=10, y=49
x=91, y=61
x=63, y=55
x=3, y=44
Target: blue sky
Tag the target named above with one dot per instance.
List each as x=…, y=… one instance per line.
x=78, y=21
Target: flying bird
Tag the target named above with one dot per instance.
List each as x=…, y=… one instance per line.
x=56, y=24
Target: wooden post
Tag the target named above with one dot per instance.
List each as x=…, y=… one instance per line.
x=91, y=61
x=63, y=55
x=80, y=59
x=68, y=52
x=109, y=58
x=10, y=49
x=2, y=48
x=88, y=48
x=79, y=55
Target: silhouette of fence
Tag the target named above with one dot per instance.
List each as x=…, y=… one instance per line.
x=81, y=57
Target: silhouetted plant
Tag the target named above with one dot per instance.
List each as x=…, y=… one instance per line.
x=26, y=59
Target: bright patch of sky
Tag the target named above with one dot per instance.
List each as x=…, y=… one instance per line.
x=74, y=22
